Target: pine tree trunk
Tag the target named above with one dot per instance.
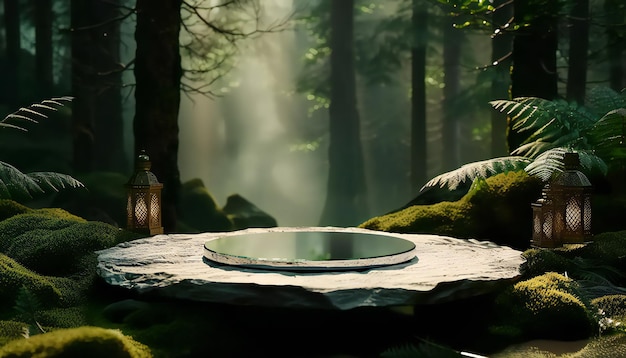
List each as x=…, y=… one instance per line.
x=157, y=94
x=534, y=55
x=43, y=47
x=346, y=203
x=418, y=97
x=578, y=47
x=501, y=60
x=615, y=43
x=451, y=77
x=11, y=95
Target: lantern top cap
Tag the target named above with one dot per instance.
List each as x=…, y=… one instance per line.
x=571, y=160
x=143, y=161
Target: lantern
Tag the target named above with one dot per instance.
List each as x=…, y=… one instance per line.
x=572, y=191
x=547, y=220
x=143, y=208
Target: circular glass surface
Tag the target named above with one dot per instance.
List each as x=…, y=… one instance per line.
x=317, y=250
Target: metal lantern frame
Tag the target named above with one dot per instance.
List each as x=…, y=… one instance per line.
x=572, y=191
x=548, y=221
x=143, y=208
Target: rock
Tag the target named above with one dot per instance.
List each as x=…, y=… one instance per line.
x=244, y=214
x=117, y=312
x=447, y=269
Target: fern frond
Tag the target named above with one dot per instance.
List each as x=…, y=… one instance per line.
x=50, y=181
x=33, y=111
x=602, y=100
x=608, y=136
x=546, y=120
x=482, y=169
x=551, y=162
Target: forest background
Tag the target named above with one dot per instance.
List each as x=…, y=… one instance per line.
x=319, y=112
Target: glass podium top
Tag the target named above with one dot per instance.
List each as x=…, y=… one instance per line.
x=309, y=250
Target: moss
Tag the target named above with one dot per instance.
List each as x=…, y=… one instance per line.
x=540, y=261
x=50, y=291
x=613, y=306
x=11, y=330
x=547, y=306
x=9, y=208
x=496, y=209
x=77, y=342
x=53, y=246
x=445, y=218
x=198, y=209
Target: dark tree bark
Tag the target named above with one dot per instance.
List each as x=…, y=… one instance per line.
x=43, y=47
x=578, y=47
x=96, y=84
x=83, y=86
x=13, y=48
x=615, y=43
x=534, y=54
x=418, y=96
x=157, y=94
x=451, y=77
x=346, y=203
x=501, y=60
x=109, y=124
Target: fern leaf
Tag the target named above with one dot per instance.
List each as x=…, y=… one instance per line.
x=33, y=111
x=602, y=100
x=482, y=169
x=50, y=181
x=16, y=185
x=551, y=161
x=608, y=136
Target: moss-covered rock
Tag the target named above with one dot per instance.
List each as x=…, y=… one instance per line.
x=495, y=209
x=77, y=342
x=199, y=211
x=9, y=208
x=445, y=218
x=613, y=306
x=11, y=330
x=547, y=306
x=50, y=291
x=540, y=261
x=244, y=214
x=51, y=245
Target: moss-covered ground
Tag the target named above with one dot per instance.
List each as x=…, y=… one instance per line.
x=52, y=295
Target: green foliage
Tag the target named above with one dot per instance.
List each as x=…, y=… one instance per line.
x=547, y=306
x=19, y=186
x=50, y=291
x=613, y=306
x=540, y=261
x=53, y=246
x=495, y=209
x=9, y=208
x=11, y=330
x=482, y=169
x=83, y=341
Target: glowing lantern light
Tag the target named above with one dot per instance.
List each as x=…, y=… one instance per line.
x=143, y=208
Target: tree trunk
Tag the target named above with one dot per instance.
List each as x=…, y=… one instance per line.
x=346, y=203
x=534, y=55
x=418, y=97
x=615, y=44
x=451, y=78
x=578, y=47
x=157, y=94
x=96, y=83
x=109, y=125
x=11, y=95
x=43, y=47
x=501, y=61
x=83, y=86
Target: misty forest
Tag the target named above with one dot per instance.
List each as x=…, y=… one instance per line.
x=445, y=117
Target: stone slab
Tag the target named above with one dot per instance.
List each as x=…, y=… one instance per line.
x=446, y=269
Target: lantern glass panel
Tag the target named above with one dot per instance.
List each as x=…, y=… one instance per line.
x=141, y=210
x=154, y=209
x=573, y=214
